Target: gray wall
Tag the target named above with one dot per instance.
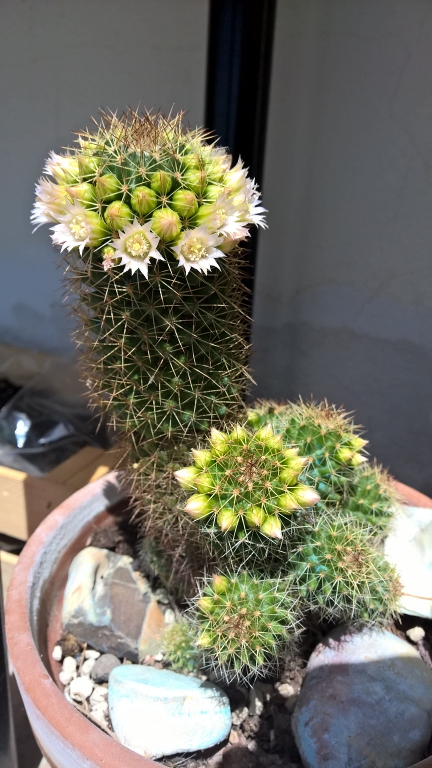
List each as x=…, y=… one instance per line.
x=344, y=286
x=60, y=60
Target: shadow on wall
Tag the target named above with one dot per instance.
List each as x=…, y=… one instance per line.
x=386, y=382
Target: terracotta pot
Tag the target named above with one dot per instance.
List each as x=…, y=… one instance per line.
x=33, y=624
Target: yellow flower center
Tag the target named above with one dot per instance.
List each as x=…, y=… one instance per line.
x=220, y=218
x=137, y=246
x=194, y=249
x=78, y=227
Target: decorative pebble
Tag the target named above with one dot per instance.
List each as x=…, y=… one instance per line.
x=169, y=616
x=81, y=688
x=103, y=666
x=409, y=547
x=161, y=595
x=91, y=654
x=366, y=701
x=256, y=701
x=66, y=677
x=158, y=712
x=286, y=690
x=416, y=634
x=68, y=672
x=110, y=606
x=57, y=653
x=98, y=695
x=239, y=715
x=88, y=666
x=159, y=657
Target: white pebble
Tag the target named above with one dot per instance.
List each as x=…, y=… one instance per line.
x=66, y=677
x=57, y=653
x=88, y=666
x=415, y=634
x=286, y=690
x=256, y=702
x=239, y=715
x=91, y=655
x=101, y=706
x=169, y=616
x=99, y=694
x=81, y=688
x=100, y=715
x=69, y=664
x=159, y=657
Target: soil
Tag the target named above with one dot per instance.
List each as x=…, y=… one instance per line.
x=260, y=739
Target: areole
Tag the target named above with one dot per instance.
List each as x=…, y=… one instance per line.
x=67, y=739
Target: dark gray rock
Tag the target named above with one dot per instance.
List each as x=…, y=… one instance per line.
x=366, y=702
x=103, y=666
x=110, y=606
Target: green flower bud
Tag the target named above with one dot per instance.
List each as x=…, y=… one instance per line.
x=203, y=213
x=202, y=458
x=98, y=230
x=88, y=165
x=186, y=477
x=219, y=584
x=305, y=496
x=191, y=160
x=204, y=483
x=143, y=200
x=206, y=604
x=199, y=506
x=84, y=193
x=118, y=214
x=289, y=476
x=287, y=503
x=195, y=180
x=166, y=224
x=66, y=172
x=272, y=527
x=110, y=256
x=211, y=193
x=107, y=186
x=255, y=517
x=205, y=640
x=161, y=182
x=227, y=519
x=184, y=203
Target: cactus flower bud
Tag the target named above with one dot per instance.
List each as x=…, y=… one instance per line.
x=227, y=519
x=88, y=165
x=64, y=168
x=143, y=200
x=118, y=215
x=254, y=517
x=305, y=496
x=199, y=506
x=289, y=476
x=219, y=441
x=107, y=186
x=357, y=443
x=204, y=483
x=196, y=180
x=205, y=640
x=239, y=433
x=287, y=503
x=161, y=182
x=186, y=477
x=184, y=203
x=272, y=527
x=264, y=433
x=84, y=193
x=202, y=458
x=110, y=258
x=211, y=193
x=205, y=604
x=357, y=460
x=219, y=584
x=166, y=224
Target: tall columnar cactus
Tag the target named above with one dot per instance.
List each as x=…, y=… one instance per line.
x=245, y=623
x=342, y=575
x=246, y=482
x=150, y=215
x=321, y=432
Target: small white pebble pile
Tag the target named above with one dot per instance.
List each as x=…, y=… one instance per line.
x=80, y=688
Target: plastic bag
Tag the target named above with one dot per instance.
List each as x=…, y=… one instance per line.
x=48, y=420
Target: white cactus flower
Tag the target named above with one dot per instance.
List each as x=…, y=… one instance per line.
x=79, y=228
x=51, y=200
x=223, y=217
x=248, y=203
x=197, y=249
x=136, y=245
x=64, y=168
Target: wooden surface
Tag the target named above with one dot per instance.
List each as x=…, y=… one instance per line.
x=25, y=500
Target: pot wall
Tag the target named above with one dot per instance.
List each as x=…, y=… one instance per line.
x=66, y=738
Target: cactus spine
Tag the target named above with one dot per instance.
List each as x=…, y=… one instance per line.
x=371, y=497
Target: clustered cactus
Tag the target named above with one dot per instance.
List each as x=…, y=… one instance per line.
x=278, y=504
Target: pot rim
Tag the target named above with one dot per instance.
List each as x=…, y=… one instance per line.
x=35, y=681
